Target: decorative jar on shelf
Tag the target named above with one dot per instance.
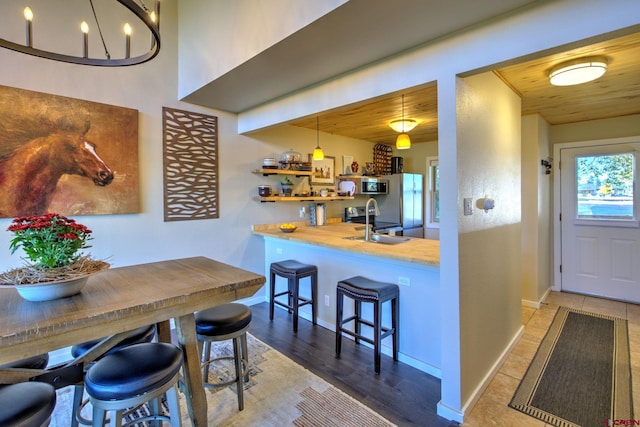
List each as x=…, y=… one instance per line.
x=286, y=186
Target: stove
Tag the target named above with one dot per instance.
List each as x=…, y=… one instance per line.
x=356, y=214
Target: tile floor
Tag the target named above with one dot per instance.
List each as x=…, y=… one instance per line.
x=492, y=408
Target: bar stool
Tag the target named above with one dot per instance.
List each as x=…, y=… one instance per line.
x=361, y=289
x=132, y=376
x=143, y=334
x=293, y=271
x=225, y=322
x=39, y=361
x=28, y=404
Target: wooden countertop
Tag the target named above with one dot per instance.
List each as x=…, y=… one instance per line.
x=416, y=250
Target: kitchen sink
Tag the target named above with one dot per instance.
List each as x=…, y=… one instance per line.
x=380, y=238
x=354, y=238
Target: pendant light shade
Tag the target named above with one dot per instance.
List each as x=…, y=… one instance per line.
x=405, y=125
x=403, y=142
x=318, y=154
x=578, y=71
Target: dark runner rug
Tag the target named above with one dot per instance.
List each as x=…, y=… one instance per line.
x=581, y=373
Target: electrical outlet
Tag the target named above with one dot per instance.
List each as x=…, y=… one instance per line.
x=404, y=281
x=468, y=206
x=303, y=211
x=327, y=300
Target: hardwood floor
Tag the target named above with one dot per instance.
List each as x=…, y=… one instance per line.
x=401, y=393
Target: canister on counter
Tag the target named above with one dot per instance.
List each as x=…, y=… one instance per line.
x=317, y=214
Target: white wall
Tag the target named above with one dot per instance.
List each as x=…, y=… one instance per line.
x=219, y=35
x=615, y=127
x=536, y=213
x=489, y=132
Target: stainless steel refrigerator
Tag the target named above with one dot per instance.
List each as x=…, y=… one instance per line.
x=404, y=203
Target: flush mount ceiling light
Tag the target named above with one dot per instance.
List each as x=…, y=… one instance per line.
x=318, y=154
x=403, y=142
x=577, y=71
x=150, y=19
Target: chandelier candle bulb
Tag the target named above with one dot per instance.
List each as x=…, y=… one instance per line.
x=84, y=27
x=28, y=16
x=127, y=40
x=154, y=18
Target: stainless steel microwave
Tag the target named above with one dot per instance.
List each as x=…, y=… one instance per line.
x=372, y=185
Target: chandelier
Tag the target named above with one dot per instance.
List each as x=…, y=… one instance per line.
x=149, y=17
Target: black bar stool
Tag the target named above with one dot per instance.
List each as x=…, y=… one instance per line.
x=28, y=404
x=143, y=334
x=132, y=376
x=225, y=322
x=293, y=271
x=34, y=362
x=361, y=289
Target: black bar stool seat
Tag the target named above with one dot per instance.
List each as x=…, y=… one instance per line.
x=28, y=404
x=132, y=376
x=293, y=271
x=360, y=289
x=225, y=322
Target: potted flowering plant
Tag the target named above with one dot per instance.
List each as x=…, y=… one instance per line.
x=50, y=240
x=52, y=243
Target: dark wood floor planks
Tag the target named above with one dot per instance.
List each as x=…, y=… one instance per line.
x=401, y=393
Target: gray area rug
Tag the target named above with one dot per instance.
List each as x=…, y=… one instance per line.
x=581, y=373
x=280, y=392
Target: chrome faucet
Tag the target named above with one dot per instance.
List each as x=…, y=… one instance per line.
x=366, y=221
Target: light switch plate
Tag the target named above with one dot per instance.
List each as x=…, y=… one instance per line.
x=468, y=206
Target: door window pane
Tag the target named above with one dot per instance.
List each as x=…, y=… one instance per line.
x=604, y=186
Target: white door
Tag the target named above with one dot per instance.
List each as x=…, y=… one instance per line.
x=599, y=221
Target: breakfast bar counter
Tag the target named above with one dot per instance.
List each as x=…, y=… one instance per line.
x=334, y=235
x=413, y=264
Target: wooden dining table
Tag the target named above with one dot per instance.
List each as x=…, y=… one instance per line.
x=120, y=300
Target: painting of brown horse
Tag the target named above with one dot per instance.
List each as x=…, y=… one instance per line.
x=28, y=178
x=65, y=155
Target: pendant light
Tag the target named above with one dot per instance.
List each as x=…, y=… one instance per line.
x=318, y=154
x=403, y=142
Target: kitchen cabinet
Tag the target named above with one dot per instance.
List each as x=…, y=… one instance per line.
x=297, y=174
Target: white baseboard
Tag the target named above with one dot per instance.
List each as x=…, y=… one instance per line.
x=536, y=304
x=475, y=396
x=449, y=413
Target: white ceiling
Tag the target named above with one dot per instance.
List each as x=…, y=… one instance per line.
x=352, y=36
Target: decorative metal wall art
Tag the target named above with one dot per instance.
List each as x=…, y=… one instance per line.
x=190, y=144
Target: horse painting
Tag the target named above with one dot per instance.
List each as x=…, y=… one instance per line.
x=30, y=174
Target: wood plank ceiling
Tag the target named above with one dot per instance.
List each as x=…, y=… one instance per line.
x=617, y=93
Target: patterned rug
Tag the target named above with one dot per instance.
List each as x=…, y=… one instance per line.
x=279, y=393
x=581, y=374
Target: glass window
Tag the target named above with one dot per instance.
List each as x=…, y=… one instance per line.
x=604, y=186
